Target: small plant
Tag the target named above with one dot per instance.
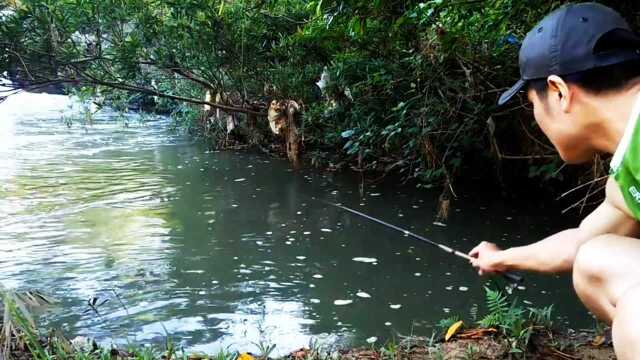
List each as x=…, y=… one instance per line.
x=599, y=327
x=18, y=322
x=504, y=315
x=511, y=320
x=315, y=349
x=170, y=348
x=147, y=353
x=498, y=307
x=389, y=350
x=437, y=353
x=541, y=316
x=264, y=349
x=431, y=341
x=471, y=353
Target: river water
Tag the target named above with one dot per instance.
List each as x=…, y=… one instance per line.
x=226, y=249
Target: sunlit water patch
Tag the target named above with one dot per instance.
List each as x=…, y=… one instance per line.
x=228, y=249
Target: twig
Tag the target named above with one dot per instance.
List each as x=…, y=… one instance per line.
x=582, y=185
x=527, y=157
x=583, y=202
x=91, y=80
x=22, y=61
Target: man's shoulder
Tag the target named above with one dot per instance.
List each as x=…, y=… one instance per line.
x=615, y=197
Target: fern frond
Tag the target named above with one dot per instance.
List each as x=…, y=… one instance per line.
x=490, y=321
x=497, y=303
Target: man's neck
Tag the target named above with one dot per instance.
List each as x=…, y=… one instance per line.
x=611, y=113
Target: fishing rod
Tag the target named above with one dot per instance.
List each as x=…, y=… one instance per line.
x=507, y=275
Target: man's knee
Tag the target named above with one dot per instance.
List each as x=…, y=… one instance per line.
x=625, y=339
x=590, y=276
x=590, y=264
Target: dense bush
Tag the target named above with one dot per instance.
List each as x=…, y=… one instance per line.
x=411, y=87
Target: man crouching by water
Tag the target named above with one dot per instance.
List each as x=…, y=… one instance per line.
x=580, y=68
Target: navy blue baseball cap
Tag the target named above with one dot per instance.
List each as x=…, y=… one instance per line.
x=574, y=38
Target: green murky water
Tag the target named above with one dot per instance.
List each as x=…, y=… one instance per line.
x=223, y=248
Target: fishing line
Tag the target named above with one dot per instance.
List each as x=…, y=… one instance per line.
x=514, y=278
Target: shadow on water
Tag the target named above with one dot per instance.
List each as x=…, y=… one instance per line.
x=224, y=248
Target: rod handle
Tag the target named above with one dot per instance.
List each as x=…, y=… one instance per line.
x=514, y=278
x=511, y=277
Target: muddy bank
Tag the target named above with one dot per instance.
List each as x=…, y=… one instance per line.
x=543, y=345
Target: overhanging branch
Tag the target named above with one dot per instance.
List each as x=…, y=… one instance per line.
x=152, y=92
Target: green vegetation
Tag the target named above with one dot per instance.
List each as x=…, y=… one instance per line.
x=513, y=321
x=516, y=328
x=409, y=86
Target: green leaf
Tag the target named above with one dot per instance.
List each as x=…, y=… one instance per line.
x=319, y=8
x=347, y=133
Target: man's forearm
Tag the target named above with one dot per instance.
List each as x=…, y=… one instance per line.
x=558, y=252
x=553, y=254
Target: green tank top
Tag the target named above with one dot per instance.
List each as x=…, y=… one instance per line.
x=625, y=164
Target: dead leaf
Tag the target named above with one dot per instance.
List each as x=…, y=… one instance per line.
x=299, y=354
x=453, y=329
x=598, y=341
x=245, y=356
x=476, y=333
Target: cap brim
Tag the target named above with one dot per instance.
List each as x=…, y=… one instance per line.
x=507, y=95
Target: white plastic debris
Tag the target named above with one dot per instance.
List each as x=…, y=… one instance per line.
x=342, y=302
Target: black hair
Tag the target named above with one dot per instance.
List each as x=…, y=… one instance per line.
x=599, y=80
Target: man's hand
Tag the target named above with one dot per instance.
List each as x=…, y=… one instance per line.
x=557, y=252
x=485, y=258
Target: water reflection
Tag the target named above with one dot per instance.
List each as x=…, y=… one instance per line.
x=220, y=249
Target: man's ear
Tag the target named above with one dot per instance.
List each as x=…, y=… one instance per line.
x=559, y=92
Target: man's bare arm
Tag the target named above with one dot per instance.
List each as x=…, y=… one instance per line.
x=557, y=252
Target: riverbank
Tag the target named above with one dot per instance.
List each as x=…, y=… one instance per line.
x=506, y=331
x=544, y=344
